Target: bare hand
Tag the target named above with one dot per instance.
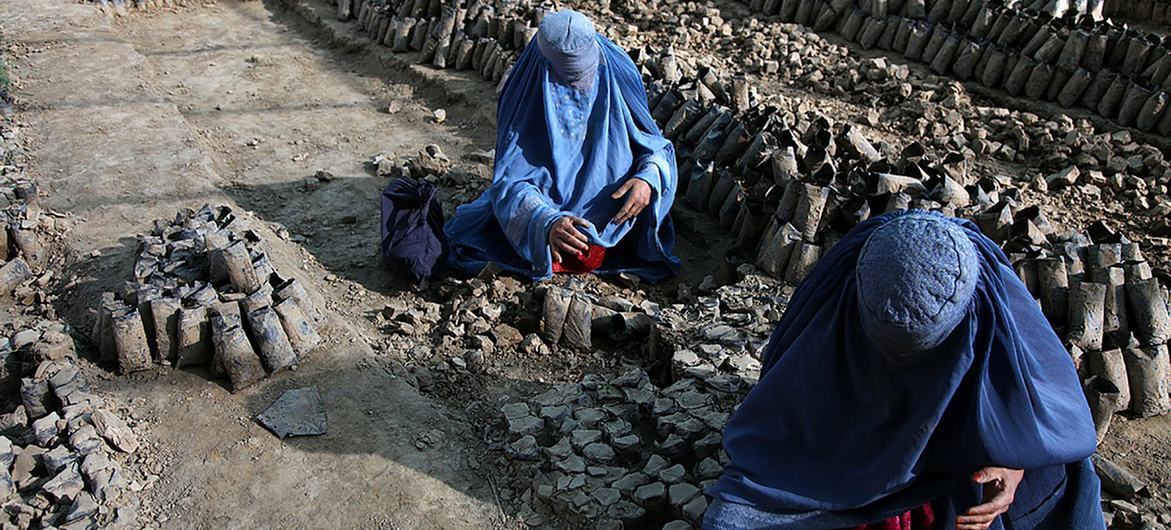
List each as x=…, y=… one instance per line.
x=565, y=237
x=638, y=196
x=999, y=491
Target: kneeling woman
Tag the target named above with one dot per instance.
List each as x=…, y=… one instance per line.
x=911, y=384
x=583, y=180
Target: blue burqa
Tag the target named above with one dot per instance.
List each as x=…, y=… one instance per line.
x=563, y=147
x=834, y=435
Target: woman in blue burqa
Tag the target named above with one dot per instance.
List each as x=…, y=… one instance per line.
x=911, y=383
x=584, y=179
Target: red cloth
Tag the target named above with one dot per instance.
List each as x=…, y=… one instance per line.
x=921, y=518
x=581, y=263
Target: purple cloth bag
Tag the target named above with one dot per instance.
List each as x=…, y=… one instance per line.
x=412, y=229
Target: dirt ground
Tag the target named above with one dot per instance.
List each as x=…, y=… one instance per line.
x=134, y=121
x=240, y=103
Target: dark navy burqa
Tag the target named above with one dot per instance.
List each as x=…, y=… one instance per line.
x=851, y=424
x=573, y=126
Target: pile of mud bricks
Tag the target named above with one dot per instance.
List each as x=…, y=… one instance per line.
x=204, y=293
x=56, y=450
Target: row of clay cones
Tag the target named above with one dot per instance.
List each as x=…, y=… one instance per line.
x=234, y=335
x=1061, y=52
x=447, y=36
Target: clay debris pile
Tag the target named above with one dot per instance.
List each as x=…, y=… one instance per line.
x=620, y=452
x=786, y=195
x=725, y=328
x=26, y=229
x=484, y=316
x=205, y=292
x=474, y=321
x=493, y=315
x=1062, y=154
x=483, y=36
x=57, y=464
x=1123, y=489
x=699, y=35
x=776, y=51
x=786, y=192
x=122, y=7
x=21, y=251
x=1113, y=162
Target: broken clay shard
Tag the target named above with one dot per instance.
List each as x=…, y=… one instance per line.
x=1117, y=480
x=299, y=412
x=1103, y=397
x=12, y=274
x=115, y=431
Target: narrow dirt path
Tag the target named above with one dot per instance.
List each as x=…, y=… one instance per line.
x=231, y=105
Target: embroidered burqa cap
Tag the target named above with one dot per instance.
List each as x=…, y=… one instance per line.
x=568, y=41
x=916, y=276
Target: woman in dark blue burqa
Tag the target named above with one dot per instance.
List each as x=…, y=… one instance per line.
x=912, y=378
x=584, y=179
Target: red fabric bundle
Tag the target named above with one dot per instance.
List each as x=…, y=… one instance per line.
x=581, y=263
x=921, y=518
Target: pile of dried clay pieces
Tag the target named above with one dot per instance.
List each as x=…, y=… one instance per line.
x=56, y=469
x=121, y=7
x=204, y=292
x=20, y=248
x=571, y=317
x=29, y=230
x=620, y=452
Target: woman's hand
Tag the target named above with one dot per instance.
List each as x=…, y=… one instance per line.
x=999, y=491
x=565, y=237
x=638, y=196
